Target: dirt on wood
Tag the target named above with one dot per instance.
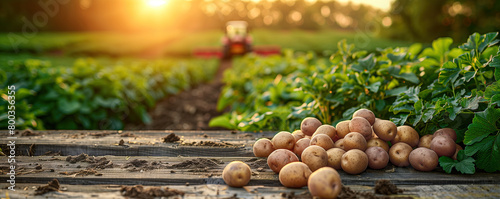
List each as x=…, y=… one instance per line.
x=209, y=143
x=51, y=186
x=171, y=138
x=143, y=165
x=85, y=172
x=198, y=164
x=127, y=134
x=258, y=163
x=95, y=163
x=29, y=132
x=138, y=191
x=386, y=187
x=52, y=153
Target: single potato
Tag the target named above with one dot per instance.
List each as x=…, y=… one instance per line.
x=378, y=158
x=315, y=157
x=294, y=175
x=443, y=146
x=236, y=174
x=343, y=128
x=361, y=125
x=297, y=134
x=378, y=142
x=407, y=135
x=322, y=140
x=335, y=157
x=354, y=140
x=325, y=183
x=354, y=161
x=365, y=113
x=263, y=147
x=385, y=130
x=446, y=132
x=339, y=144
x=456, y=151
x=423, y=159
x=425, y=141
x=327, y=130
x=309, y=125
x=399, y=154
x=279, y=158
x=283, y=140
x=301, y=145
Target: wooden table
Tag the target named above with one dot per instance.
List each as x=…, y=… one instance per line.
x=217, y=147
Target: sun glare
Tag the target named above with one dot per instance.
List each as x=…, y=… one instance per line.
x=156, y=3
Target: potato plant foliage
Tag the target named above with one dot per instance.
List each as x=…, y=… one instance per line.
x=427, y=88
x=94, y=94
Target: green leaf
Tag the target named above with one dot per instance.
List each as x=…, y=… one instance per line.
x=464, y=164
x=446, y=163
x=495, y=62
x=483, y=124
x=374, y=87
x=483, y=145
x=449, y=73
x=487, y=40
x=222, y=121
x=68, y=106
x=472, y=42
x=489, y=160
x=491, y=91
x=396, y=58
x=411, y=77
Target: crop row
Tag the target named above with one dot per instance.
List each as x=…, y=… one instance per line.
x=426, y=88
x=93, y=94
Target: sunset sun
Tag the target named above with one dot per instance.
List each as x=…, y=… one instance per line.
x=156, y=3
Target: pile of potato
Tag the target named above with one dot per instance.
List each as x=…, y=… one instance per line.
x=320, y=149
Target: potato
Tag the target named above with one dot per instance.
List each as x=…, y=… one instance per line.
x=283, y=140
x=339, y=144
x=399, y=154
x=365, y=113
x=385, y=129
x=354, y=140
x=263, y=147
x=315, y=157
x=334, y=157
x=297, y=134
x=378, y=158
x=361, y=125
x=343, y=128
x=324, y=183
x=425, y=141
x=236, y=174
x=279, y=158
x=446, y=132
x=354, y=161
x=301, y=145
x=294, y=175
x=327, y=130
x=443, y=146
x=378, y=142
x=309, y=125
x=407, y=135
x=322, y=140
x=423, y=159
x=456, y=151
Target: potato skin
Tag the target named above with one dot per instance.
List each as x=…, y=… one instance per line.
x=263, y=147
x=425, y=141
x=335, y=157
x=446, y=132
x=365, y=113
x=399, y=154
x=443, y=146
x=339, y=144
x=297, y=134
x=323, y=141
x=294, y=175
x=315, y=157
x=408, y=135
x=309, y=125
x=354, y=140
x=327, y=130
x=385, y=129
x=378, y=142
x=236, y=174
x=279, y=158
x=456, y=151
x=283, y=140
x=343, y=128
x=361, y=125
x=301, y=145
x=378, y=158
x=325, y=183
x=423, y=159
x=354, y=161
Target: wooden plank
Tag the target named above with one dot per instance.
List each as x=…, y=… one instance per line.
x=118, y=175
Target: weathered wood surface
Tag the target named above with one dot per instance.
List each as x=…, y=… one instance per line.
x=149, y=145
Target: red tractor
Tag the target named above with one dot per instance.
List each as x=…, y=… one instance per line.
x=236, y=41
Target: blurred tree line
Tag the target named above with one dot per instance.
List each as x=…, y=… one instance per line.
x=415, y=20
